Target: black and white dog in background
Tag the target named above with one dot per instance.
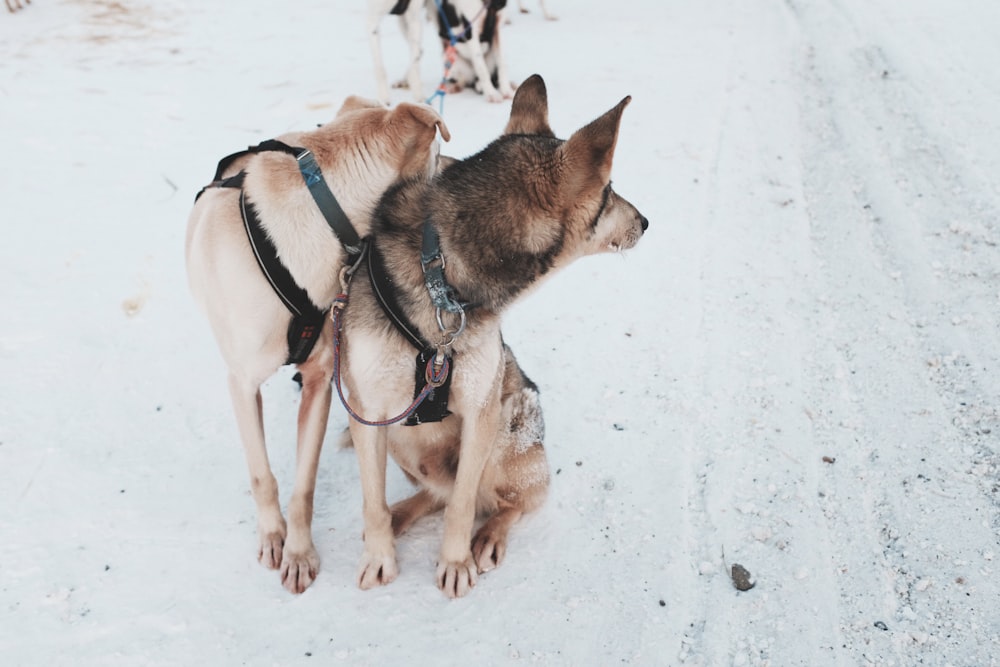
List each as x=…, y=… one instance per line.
x=475, y=24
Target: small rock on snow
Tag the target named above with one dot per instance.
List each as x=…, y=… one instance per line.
x=742, y=579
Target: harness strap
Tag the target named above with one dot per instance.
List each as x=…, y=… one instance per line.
x=307, y=318
x=328, y=205
x=385, y=295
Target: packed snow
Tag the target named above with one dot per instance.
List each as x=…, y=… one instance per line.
x=791, y=386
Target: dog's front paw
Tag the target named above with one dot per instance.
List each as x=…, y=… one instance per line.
x=376, y=570
x=298, y=570
x=456, y=579
x=494, y=96
x=272, y=540
x=507, y=90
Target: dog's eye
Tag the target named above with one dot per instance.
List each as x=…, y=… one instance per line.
x=605, y=196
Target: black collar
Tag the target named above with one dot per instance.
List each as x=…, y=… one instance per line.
x=385, y=294
x=432, y=262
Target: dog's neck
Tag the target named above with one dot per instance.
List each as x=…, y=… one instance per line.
x=486, y=276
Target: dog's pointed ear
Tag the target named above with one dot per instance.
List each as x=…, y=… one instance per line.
x=529, y=112
x=593, y=146
x=356, y=103
x=423, y=114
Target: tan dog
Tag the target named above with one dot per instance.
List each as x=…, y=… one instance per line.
x=506, y=218
x=363, y=151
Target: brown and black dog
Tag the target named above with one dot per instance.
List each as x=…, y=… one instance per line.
x=506, y=219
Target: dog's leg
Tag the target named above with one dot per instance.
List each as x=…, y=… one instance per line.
x=456, y=570
x=503, y=77
x=378, y=563
x=300, y=561
x=522, y=477
x=518, y=472
x=490, y=543
x=545, y=12
x=406, y=512
x=375, y=15
x=475, y=50
x=414, y=29
x=271, y=529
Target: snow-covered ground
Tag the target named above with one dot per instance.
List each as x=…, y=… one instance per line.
x=797, y=370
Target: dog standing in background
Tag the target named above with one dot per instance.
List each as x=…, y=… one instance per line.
x=411, y=17
x=475, y=25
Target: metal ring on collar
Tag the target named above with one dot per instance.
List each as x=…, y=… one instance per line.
x=451, y=335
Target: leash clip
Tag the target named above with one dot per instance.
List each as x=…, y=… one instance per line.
x=448, y=336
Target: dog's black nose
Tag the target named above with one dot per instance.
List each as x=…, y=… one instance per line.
x=645, y=223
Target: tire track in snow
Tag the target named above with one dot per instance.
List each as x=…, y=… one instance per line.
x=755, y=463
x=914, y=475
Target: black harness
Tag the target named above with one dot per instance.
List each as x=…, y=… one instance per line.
x=456, y=28
x=434, y=408
x=307, y=317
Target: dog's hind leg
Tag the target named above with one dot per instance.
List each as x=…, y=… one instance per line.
x=271, y=528
x=300, y=561
x=406, y=512
x=522, y=484
x=516, y=479
x=490, y=543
